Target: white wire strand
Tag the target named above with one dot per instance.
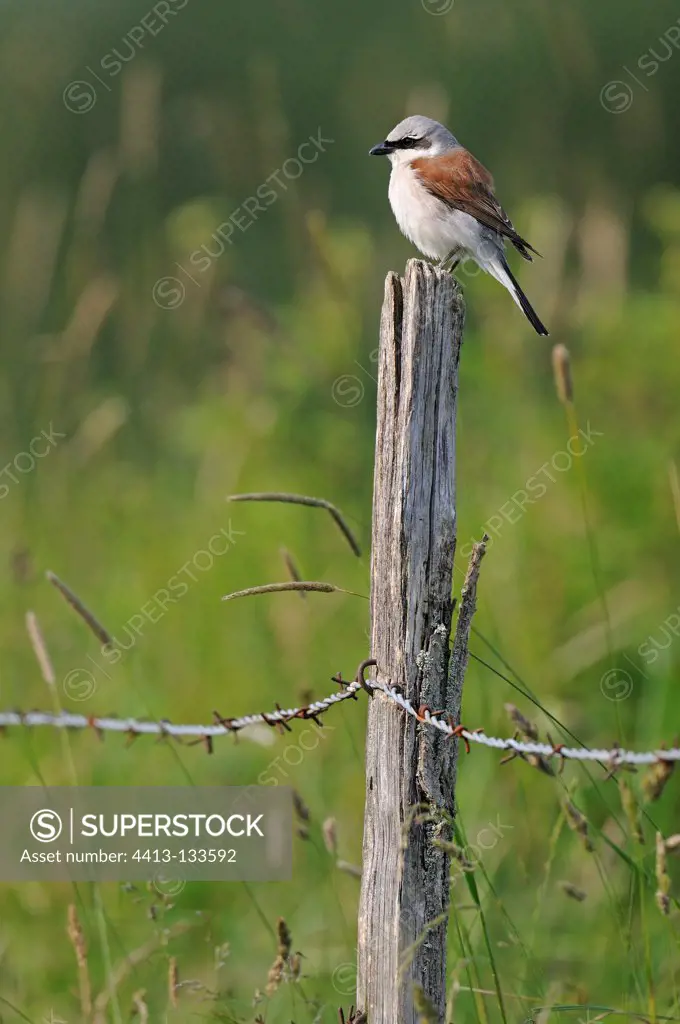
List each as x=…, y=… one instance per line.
x=137, y=727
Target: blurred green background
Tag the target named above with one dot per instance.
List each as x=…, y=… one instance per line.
x=129, y=135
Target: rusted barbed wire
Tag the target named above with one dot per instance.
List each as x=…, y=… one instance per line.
x=134, y=727
x=280, y=718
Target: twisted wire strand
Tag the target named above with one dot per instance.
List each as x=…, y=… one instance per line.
x=280, y=717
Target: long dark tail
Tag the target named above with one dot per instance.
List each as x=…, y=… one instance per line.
x=527, y=308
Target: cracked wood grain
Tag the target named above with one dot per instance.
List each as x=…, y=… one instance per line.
x=405, y=889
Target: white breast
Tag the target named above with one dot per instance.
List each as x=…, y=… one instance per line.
x=426, y=221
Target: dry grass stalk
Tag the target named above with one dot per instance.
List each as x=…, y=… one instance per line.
x=277, y=969
x=277, y=588
x=662, y=877
x=296, y=966
x=522, y=724
x=131, y=961
x=88, y=618
x=47, y=671
x=77, y=939
x=303, y=499
x=631, y=810
x=578, y=823
x=564, y=385
x=573, y=891
x=293, y=570
x=302, y=814
x=527, y=730
x=540, y=763
x=139, y=1007
x=456, y=852
x=173, y=981
x=40, y=650
x=673, y=844
x=301, y=808
x=330, y=836
x=655, y=778
x=674, y=480
x=349, y=869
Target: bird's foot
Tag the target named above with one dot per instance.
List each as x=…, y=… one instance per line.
x=449, y=262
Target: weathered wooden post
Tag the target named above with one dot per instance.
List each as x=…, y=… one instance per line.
x=405, y=882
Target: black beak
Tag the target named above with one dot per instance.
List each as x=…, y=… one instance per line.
x=382, y=149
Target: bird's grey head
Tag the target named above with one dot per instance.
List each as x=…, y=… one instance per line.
x=414, y=137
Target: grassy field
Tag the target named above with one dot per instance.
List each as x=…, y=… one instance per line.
x=258, y=373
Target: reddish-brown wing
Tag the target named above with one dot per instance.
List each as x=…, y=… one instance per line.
x=460, y=181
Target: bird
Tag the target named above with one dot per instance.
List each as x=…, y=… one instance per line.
x=444, y=202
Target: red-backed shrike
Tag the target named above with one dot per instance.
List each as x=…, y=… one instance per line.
x=444, y=203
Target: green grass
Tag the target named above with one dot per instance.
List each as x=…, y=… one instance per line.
x=263, y=379
x=119, y=525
